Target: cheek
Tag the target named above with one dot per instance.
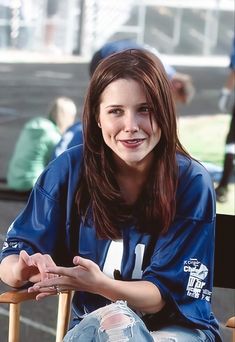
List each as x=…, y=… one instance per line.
x=159, y=133
x=151, y=129
x=156, y=131
x=109, y=128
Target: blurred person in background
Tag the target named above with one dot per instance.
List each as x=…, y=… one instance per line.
x=72, y=137
x=36, y=143
x=226, y=93
x=182, y=86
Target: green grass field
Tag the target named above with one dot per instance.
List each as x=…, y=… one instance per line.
x=204, y=138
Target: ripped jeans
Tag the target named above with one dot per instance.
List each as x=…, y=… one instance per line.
x=118, y=323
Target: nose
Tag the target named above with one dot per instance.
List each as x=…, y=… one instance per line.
x=131, y=122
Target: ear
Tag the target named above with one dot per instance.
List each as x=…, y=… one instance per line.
x=98, y=123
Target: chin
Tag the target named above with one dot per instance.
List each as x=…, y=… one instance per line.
x=133, y=161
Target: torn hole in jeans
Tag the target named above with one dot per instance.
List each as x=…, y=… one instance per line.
x=116, y=324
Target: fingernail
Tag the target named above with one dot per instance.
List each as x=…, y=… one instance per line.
x=36, y=287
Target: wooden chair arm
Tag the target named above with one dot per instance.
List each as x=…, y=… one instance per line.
x=16, y=296
x=230, y=322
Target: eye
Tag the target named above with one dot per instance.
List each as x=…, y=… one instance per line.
x=116, y=111
x=144, y=109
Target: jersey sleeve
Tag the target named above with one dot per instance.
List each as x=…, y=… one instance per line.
x=45, y=224
x=182, y=262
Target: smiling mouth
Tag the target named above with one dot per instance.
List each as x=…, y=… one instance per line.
x=132, y=141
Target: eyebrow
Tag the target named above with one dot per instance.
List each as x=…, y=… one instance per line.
x=114, y=106
x=118, y=106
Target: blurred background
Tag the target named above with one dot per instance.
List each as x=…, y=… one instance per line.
x=45, y=50
x=80, y=27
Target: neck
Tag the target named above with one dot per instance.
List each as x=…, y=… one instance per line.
x=131, y=180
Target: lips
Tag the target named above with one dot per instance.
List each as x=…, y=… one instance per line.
x=132, y=142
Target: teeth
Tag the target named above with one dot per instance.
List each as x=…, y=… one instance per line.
x=133, y=141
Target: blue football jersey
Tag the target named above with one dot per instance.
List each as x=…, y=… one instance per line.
x=179, y=263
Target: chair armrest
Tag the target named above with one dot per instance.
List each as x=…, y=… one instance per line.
x=16, y=296
x=230, y=322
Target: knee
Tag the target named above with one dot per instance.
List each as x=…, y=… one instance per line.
x=115, y=316
x=115, y=320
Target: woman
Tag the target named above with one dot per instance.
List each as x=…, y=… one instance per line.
x=129, y=216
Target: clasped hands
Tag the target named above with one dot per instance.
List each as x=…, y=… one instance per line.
x=52, y=279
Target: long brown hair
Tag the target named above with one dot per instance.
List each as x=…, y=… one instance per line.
x=98, y=191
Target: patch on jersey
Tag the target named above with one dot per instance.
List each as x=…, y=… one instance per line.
x=197, y=275
x=12, y=244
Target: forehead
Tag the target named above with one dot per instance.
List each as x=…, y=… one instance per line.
x=127, y=90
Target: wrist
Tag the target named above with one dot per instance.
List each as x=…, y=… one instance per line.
x=107, y=288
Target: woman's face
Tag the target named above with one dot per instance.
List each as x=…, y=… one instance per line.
x=128, y=127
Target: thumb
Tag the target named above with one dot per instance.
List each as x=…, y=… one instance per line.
x=24, y=257
x=79, y=261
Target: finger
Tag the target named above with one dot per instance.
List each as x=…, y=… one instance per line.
x=51, y=284
x=36, y=288
x=56, y=289
x=86, y=263
x=53, y=287
x=60, y=271
x=44, y=295
x=76, y=260
x=42, y=262
x=25, y=257
x=41, y=268
x=51, y=290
